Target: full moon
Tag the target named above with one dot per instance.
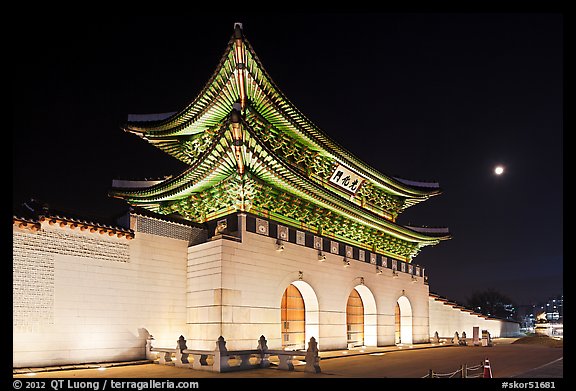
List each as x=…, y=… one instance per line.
x=499, y=170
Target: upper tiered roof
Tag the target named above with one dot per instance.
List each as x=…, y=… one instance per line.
x=249, y=148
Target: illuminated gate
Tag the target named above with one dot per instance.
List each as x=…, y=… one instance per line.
x=355, y=319
x=293, y=319
x=397, y=338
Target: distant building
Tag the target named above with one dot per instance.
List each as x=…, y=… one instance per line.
x=274, y=230
x=526, y=315
x=550, y=312
x=555, y=308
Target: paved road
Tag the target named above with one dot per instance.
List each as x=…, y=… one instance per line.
x=554, y=369
x=507, y=360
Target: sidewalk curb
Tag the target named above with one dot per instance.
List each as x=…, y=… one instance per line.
x=390, y=349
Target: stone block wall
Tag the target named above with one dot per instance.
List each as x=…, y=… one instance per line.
x=84, y=297
x=446, y=320
x=235, y=290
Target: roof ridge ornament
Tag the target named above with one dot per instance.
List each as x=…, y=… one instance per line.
x=238, y=30
x=240, y=59
x=236, y=126
x=239, y=107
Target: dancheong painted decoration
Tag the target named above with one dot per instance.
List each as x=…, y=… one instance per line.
x=250, y=149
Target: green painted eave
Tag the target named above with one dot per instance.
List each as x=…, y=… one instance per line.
x=261, y=162
x=215, y=164
x=210, y=106
x=218, y=163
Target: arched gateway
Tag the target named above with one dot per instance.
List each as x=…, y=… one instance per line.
x=361, y=317
x=298, y=315
x=403, y=321
x=293, y=317
x=354, y=319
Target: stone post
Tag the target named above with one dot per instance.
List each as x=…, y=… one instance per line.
x=486, y=338
x=181, y=358
x=463, y=339
x=456, y=339
x=312, y=357
x=150, y=355
x=264, y=356
x=476, y=335
x=220, y=356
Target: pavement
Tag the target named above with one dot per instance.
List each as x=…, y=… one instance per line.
x=324, y=355
x=551, y=370
x=404, y=361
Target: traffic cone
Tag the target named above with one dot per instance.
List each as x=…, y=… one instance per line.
x=487, y=370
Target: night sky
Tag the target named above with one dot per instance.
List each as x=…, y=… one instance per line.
x=432, y=97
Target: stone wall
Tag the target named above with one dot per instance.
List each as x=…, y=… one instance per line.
x=235, y=290
x=86, y=297
x=446, y=320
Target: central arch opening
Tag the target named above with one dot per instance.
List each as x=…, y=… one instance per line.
x=293, y=319
x=355, y=319
x=299, y=308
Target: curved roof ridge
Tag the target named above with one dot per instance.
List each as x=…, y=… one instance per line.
x=324, y=141
x=426, y=229
x=179, y=119
x=433, y=184
x=174, y=182
x=283, y=107
x=150, y=117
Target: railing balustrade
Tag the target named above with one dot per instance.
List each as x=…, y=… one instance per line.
x=223, y=360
